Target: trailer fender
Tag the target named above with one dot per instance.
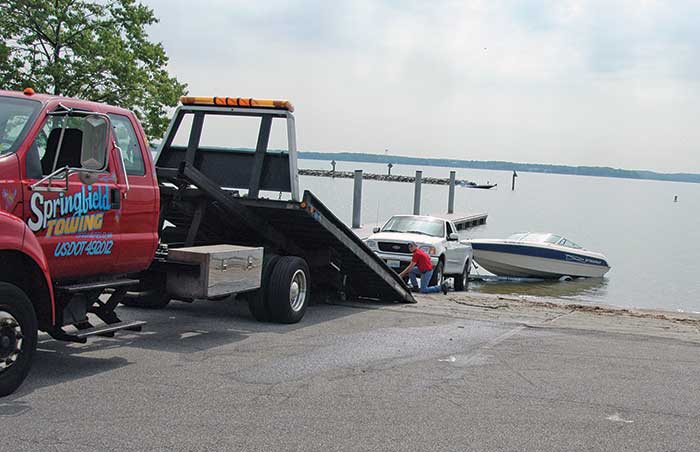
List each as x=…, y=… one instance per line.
x=27, y=266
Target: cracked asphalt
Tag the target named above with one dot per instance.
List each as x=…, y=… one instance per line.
x=436, y=376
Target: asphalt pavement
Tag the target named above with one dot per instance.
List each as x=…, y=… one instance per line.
x=436, y=376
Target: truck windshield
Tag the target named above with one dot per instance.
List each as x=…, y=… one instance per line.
x=16, y=117
x=417, y=225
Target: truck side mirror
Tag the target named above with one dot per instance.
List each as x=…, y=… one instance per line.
x=80, y=145
x=454, y=237
x=376, y=229
x=93, y=154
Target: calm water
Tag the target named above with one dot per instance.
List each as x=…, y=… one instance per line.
x=652, y=243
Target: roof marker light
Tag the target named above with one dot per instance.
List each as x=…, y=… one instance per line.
x=246, y=102
x=28, y=92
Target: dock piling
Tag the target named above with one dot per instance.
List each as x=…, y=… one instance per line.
x=416, y=193
x=357, y=200
x=451, y=195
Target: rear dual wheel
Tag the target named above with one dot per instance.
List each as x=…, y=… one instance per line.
x=18, y=335
x=285, y=291
x=257, y=300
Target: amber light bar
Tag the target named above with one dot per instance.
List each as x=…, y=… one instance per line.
x=245, y=102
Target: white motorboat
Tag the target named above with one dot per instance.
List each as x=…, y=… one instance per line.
x=538, y=255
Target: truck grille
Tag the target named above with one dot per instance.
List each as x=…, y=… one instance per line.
x=393, y=247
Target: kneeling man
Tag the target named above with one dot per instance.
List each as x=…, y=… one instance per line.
x=421, y=266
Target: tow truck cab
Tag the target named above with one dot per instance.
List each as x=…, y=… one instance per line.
x=80, y=176
x=78, y=211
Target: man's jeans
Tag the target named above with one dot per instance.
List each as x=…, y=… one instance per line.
x=424, y=280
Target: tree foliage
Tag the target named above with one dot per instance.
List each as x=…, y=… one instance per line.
x=98, y=51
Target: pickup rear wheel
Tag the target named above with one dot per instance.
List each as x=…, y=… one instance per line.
x=18, y=333
x=289, y=289
x=462, y=281
x=151, y=293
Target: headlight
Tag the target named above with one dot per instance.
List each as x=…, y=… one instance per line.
x=372, y=244
x=429, y=249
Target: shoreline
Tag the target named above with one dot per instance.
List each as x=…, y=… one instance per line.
x=585, y=305
x=534, y=312
x=595, y=308
x=540, y=168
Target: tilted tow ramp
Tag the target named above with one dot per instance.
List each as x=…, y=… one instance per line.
x=199, y=198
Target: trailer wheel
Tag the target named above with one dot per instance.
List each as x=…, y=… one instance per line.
x=257, y=300
x=462, y=280
x=150, y=293
x=18, y=332
x=289, y=289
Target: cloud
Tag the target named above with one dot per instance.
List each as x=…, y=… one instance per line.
x=577, y=82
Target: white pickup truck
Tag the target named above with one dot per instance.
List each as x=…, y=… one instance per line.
x=436, y=236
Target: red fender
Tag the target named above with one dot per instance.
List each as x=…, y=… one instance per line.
x=15, y=235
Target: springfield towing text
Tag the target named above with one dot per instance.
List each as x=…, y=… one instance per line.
x=73, y=210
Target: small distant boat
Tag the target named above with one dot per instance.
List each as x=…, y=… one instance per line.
x=538, y=255
x=470, y=184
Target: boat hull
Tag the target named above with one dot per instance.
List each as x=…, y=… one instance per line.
x=536, y=262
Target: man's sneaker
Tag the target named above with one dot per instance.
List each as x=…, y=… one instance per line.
x=444, y=288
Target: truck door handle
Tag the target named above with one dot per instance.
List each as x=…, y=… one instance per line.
x=115, y=197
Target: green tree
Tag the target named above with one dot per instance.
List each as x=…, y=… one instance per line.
x=98, y=51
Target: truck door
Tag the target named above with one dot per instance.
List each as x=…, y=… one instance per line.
x=140, y=200
x=76, y=222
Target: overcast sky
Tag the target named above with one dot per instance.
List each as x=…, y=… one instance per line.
x=599, y=82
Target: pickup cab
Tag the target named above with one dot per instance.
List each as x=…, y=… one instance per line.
x=436, y=236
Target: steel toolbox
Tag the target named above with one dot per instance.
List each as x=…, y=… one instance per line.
x=216, y=270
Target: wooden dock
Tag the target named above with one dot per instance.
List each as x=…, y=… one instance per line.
x=461, y=221
x=378, y=177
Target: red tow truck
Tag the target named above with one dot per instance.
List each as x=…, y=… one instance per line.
x=88, y=221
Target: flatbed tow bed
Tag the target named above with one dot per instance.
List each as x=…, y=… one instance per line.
x=199, y=198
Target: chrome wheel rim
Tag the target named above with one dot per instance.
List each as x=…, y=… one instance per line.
x=297, y=290
x=11, y=339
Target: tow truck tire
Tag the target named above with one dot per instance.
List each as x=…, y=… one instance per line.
x=289, y=289
x=151, y=293
x=438, y=276
x=257, y=300
x=462, y=280
x=18, y=333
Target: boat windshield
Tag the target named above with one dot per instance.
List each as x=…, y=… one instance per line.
x=418, y=225
x=539, y=237
x=536, y=237
x=569, y=244
x=16, y=117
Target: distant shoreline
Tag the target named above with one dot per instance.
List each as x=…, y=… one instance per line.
x=598, y=171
